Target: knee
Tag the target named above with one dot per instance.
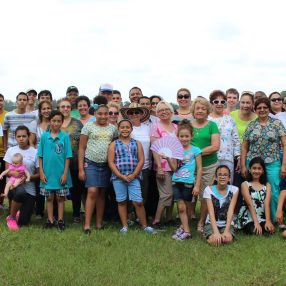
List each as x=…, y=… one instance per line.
x=121, y=204
x=138, y=204
x=181, y=208
x=50, y=199
x=60, y=199
x=92, y=194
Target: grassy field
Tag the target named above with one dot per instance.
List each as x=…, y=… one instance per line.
x=35, y=256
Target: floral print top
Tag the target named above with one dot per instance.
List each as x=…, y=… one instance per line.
x=264, y=141
x=229, y=138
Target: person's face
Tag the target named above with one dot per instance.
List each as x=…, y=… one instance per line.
x=262, y=111
x=231, y=100
x=113, y=114
x=200, y=111
x=22, y=138
x=56, y=123
x=256, y=171
x=72, y=95
x=246, y=104
x=116, y=98
x=125, y=129
x=222, y=176
x=107, y=94
x=22, y=101
x=276, y=101
x=2, y=102
x=45, y=98
x=82, y=107
x=135, y=115
x=185, y=137
x=145, y=102
x=32, y=97
x=218, y=104
x=258, y=95
x=154, y=103
x=46, y=110
x=164, y=112
x=65, y=108
x=134, y=95
x=184, y=98
x=101, y=115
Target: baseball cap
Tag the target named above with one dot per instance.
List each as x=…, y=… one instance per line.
x=106, y=87
x=72, y=88
x=31, y=90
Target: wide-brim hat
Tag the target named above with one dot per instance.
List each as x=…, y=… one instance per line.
x=133, y=106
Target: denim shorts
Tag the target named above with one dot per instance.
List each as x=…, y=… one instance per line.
x=182, y=192
x=124, y=189
x=97, y=174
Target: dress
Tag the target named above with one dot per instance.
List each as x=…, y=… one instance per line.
x=21, y=169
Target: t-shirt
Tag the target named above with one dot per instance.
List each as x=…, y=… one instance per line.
x=21, y=168
x=12, y=120
x=220, y=203
x=30, y=160
x=142, y=134
x=75, y=114
x=281, y=116
x=98, y=141
x=2, y=115
x=54, y=152
x=187, y=167
x=202, y=138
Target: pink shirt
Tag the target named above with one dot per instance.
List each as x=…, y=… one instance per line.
x=21, y=168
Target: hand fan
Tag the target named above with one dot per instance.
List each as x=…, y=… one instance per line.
x=169, y=146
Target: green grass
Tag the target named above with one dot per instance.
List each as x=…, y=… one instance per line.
x=35, y=256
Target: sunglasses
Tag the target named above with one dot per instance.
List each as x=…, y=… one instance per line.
x=113, y=113
x=132, y=112
x=154, y=103
x=218, y=102
x=276, y=99
x=185, y=96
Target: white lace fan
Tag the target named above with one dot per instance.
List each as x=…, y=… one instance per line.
x=169, y=146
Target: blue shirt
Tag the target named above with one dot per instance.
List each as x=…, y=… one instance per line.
x=54, y=152
x=186, y=172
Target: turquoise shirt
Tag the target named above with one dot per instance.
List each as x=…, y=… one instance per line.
x=75, y=114
x=54, y=152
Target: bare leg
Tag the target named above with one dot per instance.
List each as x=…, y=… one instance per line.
x=14, y=207
x=89, y=206
x=61, y=207
x=8, y=187
x=183, y=215
x=50, y=207
x=158, y=215
x=122, y=210
x=140, y=212
x=100, y=203
x=16, y=183
x=192, y=209
x=204, y=212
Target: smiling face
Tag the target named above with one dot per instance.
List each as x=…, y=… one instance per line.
x=184, y=99
x=65, y=108
x=72, y=95
x=113, y=114
x=232, y=100
x=218, y=105
x=222, y=176
x=101, y=115
x=125, y=129
x=276, y=102
x=45, y=110
x=246, y=104
x=256, y=171
x=164, y=112
x=143, y=101
x=135, y=115
x=262, y=111
x=134, y=95
x=185, y=137
x=83, y=107
x=200, y=111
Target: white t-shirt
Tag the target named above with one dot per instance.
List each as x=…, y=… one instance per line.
x=30, y=160
x=142, y=134
x=282, y=117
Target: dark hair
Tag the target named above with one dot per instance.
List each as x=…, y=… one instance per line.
x=185, y=124
x=124, y=120
x=264, y=100
x=155, y=96
x=274, y=92
x=55, y=113
x=221, y=167
x=233, y=91
x=146, y=97
x=263, y=178
x=262, y=93
x=40, y=107
x=22, y=128
x=216, y=93
x=2, y=96
x=100, y=99
x=80, y=98
x=21, y=93
x=45, y=93
x=247, y=93
x=61, y=100
x=136, y=87
x=184, y=89
x=115, y=91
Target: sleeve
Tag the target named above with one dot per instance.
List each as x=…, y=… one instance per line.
x=234, y=189
x=41, y=146
x=33, y=126
x=154, y=131
x=6, y=124
x=281, y=128
x=207, y=193
x=85, y=129
x=68, y=148
x=197, y=152
x=213, y=128
x=248, y=131
x=235, y=139
x=8, y=156
x=36, y=161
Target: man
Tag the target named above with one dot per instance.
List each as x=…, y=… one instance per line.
x=145, y=101
x=134, y=94
x=232, y=97
x=72, y=94
x=106, y=90
x=116, y=97
x=32, y=98
x=45, y=95
x=17, y=117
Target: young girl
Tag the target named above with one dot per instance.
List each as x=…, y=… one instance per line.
x=126, y=159
x=221, y=200
x=254, y=215
x=17, y=165
x=54, y=153
x=185, y=185
x=281, y=207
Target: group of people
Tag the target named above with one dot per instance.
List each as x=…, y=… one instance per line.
x=98, y=154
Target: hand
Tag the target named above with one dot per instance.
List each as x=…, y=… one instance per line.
x=217, y=238
x=283, y=171
x=163, y=156
x=43, y=177
x=226, y=237
x=130, y=177
x=243, y=171
x=196, y=191
x=257, y=228
x=81, y=175
x=269, y=227
x=161, y=174
x=238, y=169
x=3, y=195
x=15, y=174
x=27, y=179
x=64, y=179
x=279, y=216
x=124, y=178
x=1, y=177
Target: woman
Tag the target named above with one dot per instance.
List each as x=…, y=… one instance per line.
x=184, y=110
x=262, y=138
x=206, y=137
x=154, y=100
x=164, y=127
x=23, y=197
x=73, y=127
x=83, y=104
x=232, y=97
x=113, y=113
x=229, y=139
x=276, y=103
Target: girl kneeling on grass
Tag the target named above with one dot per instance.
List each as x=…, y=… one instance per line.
x=185, y=185
x=126, y=159
x=221, y=200
x=54, y=153
x=254, y=215
x=281, y=208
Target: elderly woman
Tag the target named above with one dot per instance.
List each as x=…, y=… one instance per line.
x=113, y=113
x=164, y=127
x=262, y=138
x=276, y=102
x=207, y=138
x=184, y=102
x=229, y=139
x=83, y=104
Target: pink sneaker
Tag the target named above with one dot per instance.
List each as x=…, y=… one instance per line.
x=12, y=223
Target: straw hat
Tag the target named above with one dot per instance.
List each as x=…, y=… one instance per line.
x=136, y=106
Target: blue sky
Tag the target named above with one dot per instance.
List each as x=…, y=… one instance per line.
x=159, y=46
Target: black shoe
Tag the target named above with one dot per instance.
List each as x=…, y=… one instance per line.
x=87, y=231
x=48, y=224
x=61, y=225
x=76, y=220
x=158, y=226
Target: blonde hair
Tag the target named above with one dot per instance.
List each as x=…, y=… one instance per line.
x=113, y=104
x=202, y=101
x=163, y=102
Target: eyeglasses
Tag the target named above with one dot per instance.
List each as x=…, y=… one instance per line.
x=65, y=106
x=279, y=99
x=218, y=102
x=113, y=113
x=261, y=107
x=222, y=175
x=154, y=103
x=164, y=110
x=185, y=96
x=132, y=112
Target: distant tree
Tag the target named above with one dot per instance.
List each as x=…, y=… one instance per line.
x=174, y=105
x=283, y=93
x=9, y=105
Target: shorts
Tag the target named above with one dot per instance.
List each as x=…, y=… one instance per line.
x=208, y=177
x=97, y=174
x=182, y=192
x=132, y=189
x=208, y=230
x=58, y=192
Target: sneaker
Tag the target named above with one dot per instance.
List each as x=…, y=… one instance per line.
x=12, y=223
x=158, y=226
x=49, y=224
x=124, y=230
x=177, y=233
x=150, y=230
x=76, y=220
x=184, y=236
x=61, y=225
x=87, y=231
x=130, y=222
x=38, y=217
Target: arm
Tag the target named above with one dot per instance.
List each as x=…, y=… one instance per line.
x=214, y=147
x=268, y=224
x=35, y=176
x=5, y=140
x=28, y=177
x=173, y=163
x=32, y=139
x=64, y=177
x=244, y=151
x=81, y=152
x=281, y=203
x=196, y=190
x=43, y=177
x=283, y=167
x=111, y=164
x=4, y=173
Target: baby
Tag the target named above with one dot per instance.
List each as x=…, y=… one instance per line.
x=16, y=166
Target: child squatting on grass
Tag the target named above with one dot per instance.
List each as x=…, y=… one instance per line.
x=126, y=159
x=54, y=153
x=221, y=200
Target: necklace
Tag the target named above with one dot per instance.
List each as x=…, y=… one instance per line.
x=184, y=113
